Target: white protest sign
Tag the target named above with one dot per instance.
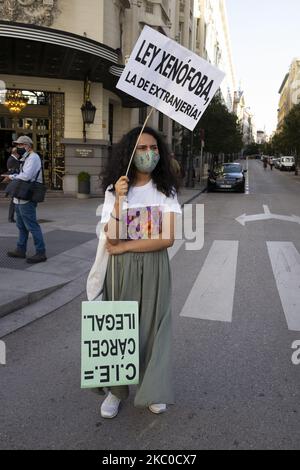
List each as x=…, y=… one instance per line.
x=109, y=344
x=170, y=78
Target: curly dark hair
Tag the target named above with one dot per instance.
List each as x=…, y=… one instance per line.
x=163, y=176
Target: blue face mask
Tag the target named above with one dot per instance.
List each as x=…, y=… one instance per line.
x=146, y=162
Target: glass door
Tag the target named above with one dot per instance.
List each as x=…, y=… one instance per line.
x=42, y=120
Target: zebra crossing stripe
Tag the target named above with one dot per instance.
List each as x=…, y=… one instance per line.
x=212, y=295
x=285, y=261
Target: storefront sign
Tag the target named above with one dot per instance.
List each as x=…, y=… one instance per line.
x=84, y=153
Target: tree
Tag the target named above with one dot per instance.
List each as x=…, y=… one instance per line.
x=287, y=140
x=252, y=149
x=222, y=131
x=278, y=143
x=291, y=130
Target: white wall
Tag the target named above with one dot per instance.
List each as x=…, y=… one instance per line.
x=82, y=17
x=111, y=24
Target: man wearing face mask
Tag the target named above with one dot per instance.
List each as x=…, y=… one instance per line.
x=31, y=167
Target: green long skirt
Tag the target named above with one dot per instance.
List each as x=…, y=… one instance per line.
x=146, y=278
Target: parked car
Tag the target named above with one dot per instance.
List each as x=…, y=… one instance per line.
x=287, y=163
x=227, y=177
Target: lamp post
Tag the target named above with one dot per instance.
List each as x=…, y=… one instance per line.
x=88, y=110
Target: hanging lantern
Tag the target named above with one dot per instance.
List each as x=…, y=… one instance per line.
x=88, y=110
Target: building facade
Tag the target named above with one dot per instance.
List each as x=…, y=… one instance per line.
x=213, y=43
x=289, y=91
x=53, y=52
x=261, y=137
x=59, y=55
x=245, y=118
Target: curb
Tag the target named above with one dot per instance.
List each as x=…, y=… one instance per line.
x=195, y=197
x=26, y=299
x=52, y=302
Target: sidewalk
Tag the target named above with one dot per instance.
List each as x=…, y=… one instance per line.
x=69, y=226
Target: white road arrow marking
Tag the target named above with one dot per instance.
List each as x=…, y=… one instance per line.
x=267, y=215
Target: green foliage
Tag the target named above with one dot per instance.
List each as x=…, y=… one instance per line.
x=291, y=129
x=222, y=130
x=252, y=149
x=83, y=176
x=287, y=140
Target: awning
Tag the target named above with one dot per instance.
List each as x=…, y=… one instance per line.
x=36, y=51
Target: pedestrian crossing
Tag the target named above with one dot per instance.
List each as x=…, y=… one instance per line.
x=212, y=295
x=215, y=284
x=285, y=261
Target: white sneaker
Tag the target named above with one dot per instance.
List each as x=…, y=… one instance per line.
x=158, y=408
x=110, y=406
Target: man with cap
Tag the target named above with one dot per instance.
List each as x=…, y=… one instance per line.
x=31, y=166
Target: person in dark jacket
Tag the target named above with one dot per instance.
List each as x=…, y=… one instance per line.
x=13, y=166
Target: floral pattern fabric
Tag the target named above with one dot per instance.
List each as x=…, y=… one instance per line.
x=142, y=223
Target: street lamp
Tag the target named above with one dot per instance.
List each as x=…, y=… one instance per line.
x=88, y=110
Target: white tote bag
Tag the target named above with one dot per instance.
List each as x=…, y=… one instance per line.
x=96, y=277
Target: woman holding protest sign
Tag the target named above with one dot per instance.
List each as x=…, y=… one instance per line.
x=139, y=230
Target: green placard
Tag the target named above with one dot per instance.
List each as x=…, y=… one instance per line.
x=109, y=344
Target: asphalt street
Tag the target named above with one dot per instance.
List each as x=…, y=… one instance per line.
x=236, y=316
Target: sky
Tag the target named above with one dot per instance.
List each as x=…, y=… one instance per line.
x=265, y=38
